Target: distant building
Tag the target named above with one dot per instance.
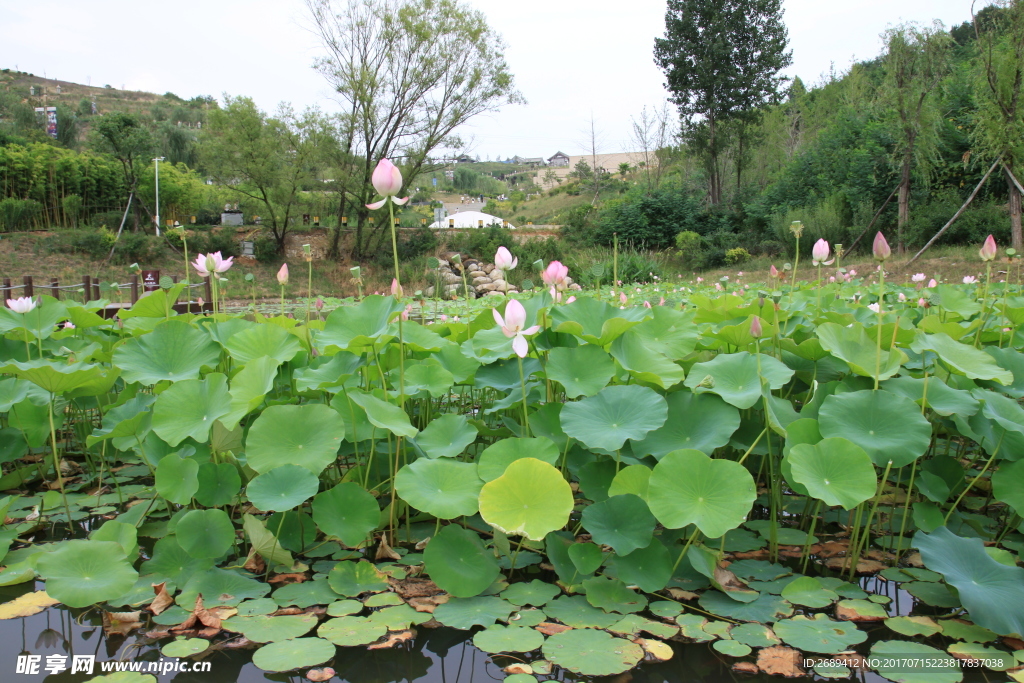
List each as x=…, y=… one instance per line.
x=559, y=159
x=464, y=159
x=528, y=161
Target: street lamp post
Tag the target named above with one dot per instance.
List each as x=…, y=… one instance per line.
x=156, y=165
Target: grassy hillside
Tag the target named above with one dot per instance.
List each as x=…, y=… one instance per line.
x=107, y=97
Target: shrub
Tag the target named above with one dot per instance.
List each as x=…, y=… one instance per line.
x=264, y=247
x=737, y=256
x=137, y=247
x=691, y=248
x=18, y=214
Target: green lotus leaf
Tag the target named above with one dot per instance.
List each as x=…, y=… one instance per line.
x=754, y=635
x=458, y=562
x=891, y=657
x=819, y=633
x=344, y=608
x=383, y=415
x=81, y=573
x=996, y=660
x=443, y=488
x=205, y=533
x=219, y=483
x=961, y=358
x=327, y=373
x=703, y=422
x=670, y=332
x=1008, y=484
x=177, y=478
x=446, y=436
x=465, y=613
x=688, y=487
x=249, y=387
x=594, y=321
x=398, y=617
x=887, y=426
x=282, y=488
x=305, y=594
x=347, y=511
x=308, y=435
x=171, y=562
x=353, y=327
x=355, y=578
x=934, y=594
x=496, y=458
x=940, y=397
x=534, y=593
x=732, y=648
x=992, y=592
x=257, y=607
x=182, y=647
x=174, y=351
x=383, y=600
x=264, y=542
x=297, y=653
x=614, y=414
x=862, y=610
x=835, y=471
x=426, y=376
x=623, y=522
x=267, y=629
x=612, y=595
x=809, y=592
x=75, y=379
x=649, y=568
x=351, y=631
x=592, y=653
x=644, y=363
x=189, y=408
x=958, y=629
x=914, y=626
x=263, y=340
x=859, y=350
x=633, y=625
x=582, y=371
x=531, y=499
x=764, y=610
x=508, y=639
x=575, y=611
x=220, y=587
x=734, y=377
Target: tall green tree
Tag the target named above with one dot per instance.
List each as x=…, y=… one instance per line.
x=266, y=160
x=916, y=60
x=721, y=60
x=1000, y=117
x=125, y=138
x=410, y=72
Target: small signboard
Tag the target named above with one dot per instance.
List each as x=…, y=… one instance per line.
x=150, y=280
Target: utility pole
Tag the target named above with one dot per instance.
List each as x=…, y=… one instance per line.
x=156, y=165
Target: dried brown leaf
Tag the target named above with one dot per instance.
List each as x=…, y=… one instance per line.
x=549, y=629
x=162, y=601
x=121, y=623
x=780, y=660
x=324, y=674
x=394, y=638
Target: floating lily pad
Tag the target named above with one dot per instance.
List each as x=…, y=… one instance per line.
x=256, y=607
x=623, y=522
x=632, y=624
x=383, y=600
x=994, y=659
x=344, y=608
x=612, y=595
x=527, y=618
x=914, y=626
x=293, y=654
x=819, y=634
x=666, y=609
x=754, y=635
x=185, y=647
x=765, y=609
x=861, y=610
x=508, y=639
x=891, y=662
x=305, y=594
x=931, y=593
x=444, y=488
x=351, y=631
x=220, y=587
x=534, y=592
x=692, y=626
x=759, y=570
x=282, y=488
x=592, y=653
x=809, y=592
x=81, y=573
x=354, y=578
x=465, y=613
x=958, y=629
x=575, y=611
x=398, y=617
x=733, y=648
x=458, y=562
x=267, y=629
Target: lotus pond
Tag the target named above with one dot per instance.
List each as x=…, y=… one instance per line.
x=811, y=479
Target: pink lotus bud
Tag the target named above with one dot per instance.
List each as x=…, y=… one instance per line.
x=386, y=179
x=700, y=279
x=773, y=271
x=282, y=275
x=570, y=300
x=396, y=289
x=319, y=304
x=922, y=302
x=755, y=327
x=662, y=302
x=988, y=249
x=555, y=275
x=647, y=304
x=833, y=278
x=902, y=296
x=622, y=297
x=933, y=283
x=880, y=248
x=503, y=259
x=820, y=252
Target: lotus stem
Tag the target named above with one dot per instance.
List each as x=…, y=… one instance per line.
x=522, y=384
x=806, y=553
x=906, y=511
x=988, y=463
x=881, y=303
x=984, y=303
x=56, y=461
x=865, y=534
x=686, y=547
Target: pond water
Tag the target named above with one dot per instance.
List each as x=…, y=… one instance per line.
x=441, y=655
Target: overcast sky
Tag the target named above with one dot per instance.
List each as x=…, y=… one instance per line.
x=571, y=58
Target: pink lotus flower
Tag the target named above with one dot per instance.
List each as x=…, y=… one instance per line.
x=933, y=283
x=23, y=304
x=662, y=302
x=922, y=302
x=512, y=326
x=917, y=277
x=700, y=279
x=755, y=327
x=819, y=253
x=647, y=304
x=988, y=249
x=387, y=180
x=833, y=278
x=718, y=286
x=205, y=264
x=873, y=307
x=852, y=273
x=902, y=297
x=555, y=275
x=880, y=248
x=68, y=325
x=282, y=275
x=970, y=279
x=570, y=300
x=407, y=311
x=503, y=259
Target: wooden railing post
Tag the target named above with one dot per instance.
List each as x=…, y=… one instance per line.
x=29, y=291
x=86, y=288
x=96, y=289
x=54, y=288
x=134, y=281
x=207, y=288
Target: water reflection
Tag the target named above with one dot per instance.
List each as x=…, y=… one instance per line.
x=441, y=655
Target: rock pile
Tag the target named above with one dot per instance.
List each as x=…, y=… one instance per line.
x=483, y=279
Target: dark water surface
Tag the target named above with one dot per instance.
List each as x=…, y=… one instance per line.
x=442, y=655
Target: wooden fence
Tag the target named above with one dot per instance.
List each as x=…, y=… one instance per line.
x=90, y=289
